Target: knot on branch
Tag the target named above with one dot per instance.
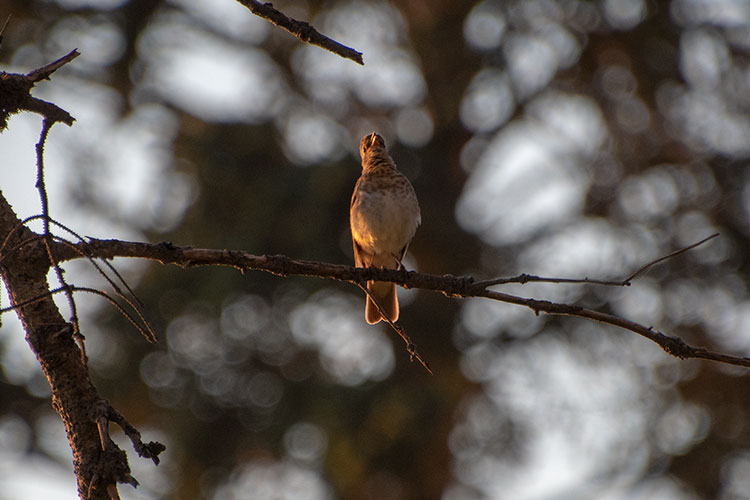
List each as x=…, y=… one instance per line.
x=306, y=32
x=113, y=467
x=150, y=450
x=552, y=307
x=278, y=264
x=523, y=278
x=406, y=276
x=675, y=346
x=167, y=245
x=15, y=91
x=460, y=286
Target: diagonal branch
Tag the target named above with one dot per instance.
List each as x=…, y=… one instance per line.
x=45, y=71
x=2, y=30
x=410, y=347
x=302, y=30
x=451, y=286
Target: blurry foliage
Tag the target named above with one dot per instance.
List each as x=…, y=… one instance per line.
x=562, y=138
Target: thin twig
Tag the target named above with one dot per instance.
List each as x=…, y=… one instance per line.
x=147, y=450
x=302, y=30
x=144, y=329
x=668, y=256
x=46, y=126
x=46, y=235
x=2, y=31
x=132, y=299
x=103, y=274
x=528, y=278
x=75, y=248
x=410, y=347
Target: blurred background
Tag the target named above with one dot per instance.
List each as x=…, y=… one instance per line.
x=562, y=138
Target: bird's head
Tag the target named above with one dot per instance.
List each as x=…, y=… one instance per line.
x=370, y=142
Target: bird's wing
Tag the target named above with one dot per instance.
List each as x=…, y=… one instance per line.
x=359, y=255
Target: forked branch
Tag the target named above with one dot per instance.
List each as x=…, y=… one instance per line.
x=452, y=286
x=15, y=93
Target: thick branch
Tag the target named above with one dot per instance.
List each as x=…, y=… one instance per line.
x=301, y=30
x=51, y=339
x=449, y=285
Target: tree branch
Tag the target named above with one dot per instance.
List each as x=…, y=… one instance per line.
x=52, y=340
x=451, y=286
x=98, y=462
x=45, y=71
x=410, y=347
x=15, y=93
x=528, y=278
x=302, y=30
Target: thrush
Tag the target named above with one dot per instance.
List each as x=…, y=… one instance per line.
x=383, y=216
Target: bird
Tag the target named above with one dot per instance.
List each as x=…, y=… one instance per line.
x=383, y=216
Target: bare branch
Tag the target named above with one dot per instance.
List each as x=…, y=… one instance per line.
x=674, y=346
x=410, y=347
x=151, y=450
x=450, y=286
x=144, y=327
x=76, y=249
x=2, y=31
x=301, y=30
x=45, y=71
x=53, y=341
x=15, y=93
x=668, y=256
x=529, y=278
x=46, y=236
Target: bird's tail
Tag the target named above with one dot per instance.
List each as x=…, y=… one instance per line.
x=385, y=294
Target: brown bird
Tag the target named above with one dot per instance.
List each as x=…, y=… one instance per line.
x=383, y=216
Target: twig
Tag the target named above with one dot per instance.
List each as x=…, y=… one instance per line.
x=410, y=347
x=45, y=71
x=302, y=30
x=528, y=278
x=668, y=256
x=144, y=329
x=2, y=31
x=132, y=300
x=674, y=346
x=147, y=450
x=82, y=253
x=46, y=235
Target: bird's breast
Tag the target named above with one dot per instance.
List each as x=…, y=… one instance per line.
x=384, y=221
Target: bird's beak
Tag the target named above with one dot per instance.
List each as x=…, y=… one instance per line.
x=372, y=139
